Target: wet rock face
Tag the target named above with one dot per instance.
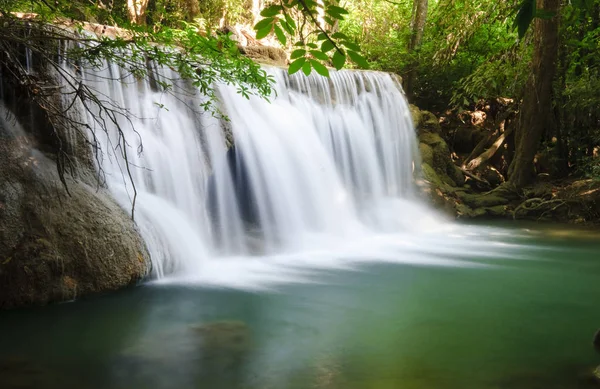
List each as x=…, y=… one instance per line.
x=233, y=167
x=55, y=246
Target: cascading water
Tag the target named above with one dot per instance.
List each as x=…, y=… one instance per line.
x=323, y=171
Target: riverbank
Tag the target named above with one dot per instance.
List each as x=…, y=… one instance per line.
x=466, y=180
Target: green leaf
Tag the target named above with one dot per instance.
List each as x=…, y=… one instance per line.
x=264, y=32
x=310, y=4
x=338, y=60
x=338, y=10
x=358, y=59
x=290, y=21
x=271, y=11
x=524, y=17
x=263, y=23
x=351, y=46
x=306, y=68
x=296, y=65
x=299, y=44
x=329, y=20
x=298, y=53
x=312, y=45
x=286, y=26
x=334, y=15
x=327, y=46
x=321, y=36
x=339, y=35
x=319, y=55
x=280, y=35
x=319, y=68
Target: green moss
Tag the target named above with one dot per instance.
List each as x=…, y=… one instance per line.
x=437, y=180
x=497, y=210
x=430, y=122
x=431, y=139
x=456, y=175
x=415, y=112
x=426, y=153
x=485, y=200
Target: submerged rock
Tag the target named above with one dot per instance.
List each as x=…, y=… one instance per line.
x=20, y=373
x=224, y=343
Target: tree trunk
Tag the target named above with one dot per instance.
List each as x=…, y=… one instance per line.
x=136, y=11
x=419, y=16
x=537, y=100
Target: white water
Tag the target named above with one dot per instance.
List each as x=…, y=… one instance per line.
x=327, y=167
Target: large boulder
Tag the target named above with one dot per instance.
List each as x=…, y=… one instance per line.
x=435, y=152
x=265, y=54
x=57, y=245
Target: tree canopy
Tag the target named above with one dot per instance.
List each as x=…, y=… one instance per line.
x=452, y=54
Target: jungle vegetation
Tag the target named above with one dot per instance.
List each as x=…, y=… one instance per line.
x=540, y=56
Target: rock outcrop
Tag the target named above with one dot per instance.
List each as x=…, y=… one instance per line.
x=462, y=194
x=54, y=245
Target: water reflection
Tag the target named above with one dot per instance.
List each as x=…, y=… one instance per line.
x=517, y=324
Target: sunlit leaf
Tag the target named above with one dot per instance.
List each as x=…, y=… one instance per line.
x=264, y=32
x=306, y=68
x=286, y=26
x=327, y=46
x=296, y=65
x=264, y=23
x=319, y=55
x=319, y=68
x=298, y=53
x=338, y=10
x=290, y=21
x=358, y=59
x=280, y=35
x=339, y=35
x=338, y=60
x=351, y=46
x=271, y=11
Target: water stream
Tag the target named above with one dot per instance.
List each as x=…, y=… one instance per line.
x=322, y=175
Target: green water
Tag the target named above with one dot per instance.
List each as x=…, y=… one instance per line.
x=519, y=323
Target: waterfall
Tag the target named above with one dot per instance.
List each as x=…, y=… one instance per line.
x=323, y=165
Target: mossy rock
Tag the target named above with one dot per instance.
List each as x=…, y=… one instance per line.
x=415, y=113
x=432, y=176
x=54, y=245
x=456, y=175
x=485, y=200
x=426, y=152
x=497, y=211
x=430, y=122
x=431, y=139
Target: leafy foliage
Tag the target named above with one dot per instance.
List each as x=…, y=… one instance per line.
x=312, y=25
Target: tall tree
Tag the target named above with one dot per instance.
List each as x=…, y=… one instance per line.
x=419, y=16
x=136, y=11
x=537, y=99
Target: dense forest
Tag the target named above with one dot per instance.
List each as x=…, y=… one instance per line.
x=529, y=67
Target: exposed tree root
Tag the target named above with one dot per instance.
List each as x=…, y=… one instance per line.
x=538, y=204
x=489, y=153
